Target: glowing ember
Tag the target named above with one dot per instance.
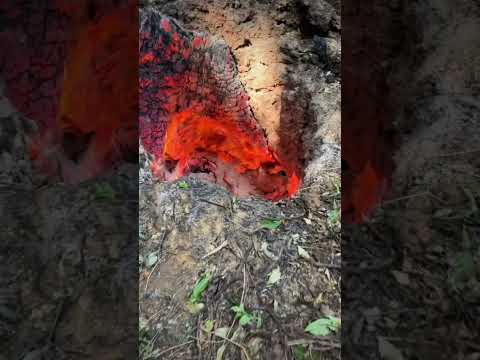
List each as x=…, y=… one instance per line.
x=366, y=148
x=195, y=116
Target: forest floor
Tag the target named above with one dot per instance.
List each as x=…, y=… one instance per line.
x=411, y=274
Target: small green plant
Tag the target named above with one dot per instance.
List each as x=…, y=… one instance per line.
x=270, y=224
x=104, y=192
x=244, y=317
x=299, y=352
x=200, y=288
x=334, y=213
x=338, y=188
x=146, y=341
x=194, y=305
x=208, y=326
x=324, y=326
x=463, y=274
x=334, y=217
x=183, y=185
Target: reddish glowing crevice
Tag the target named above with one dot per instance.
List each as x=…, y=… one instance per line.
x=241, y=161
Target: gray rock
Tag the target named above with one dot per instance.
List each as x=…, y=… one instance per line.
x=321, y=14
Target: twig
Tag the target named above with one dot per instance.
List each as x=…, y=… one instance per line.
x=457, y=153
x=77, y=352
x=150, y=275
x=241, y=301
x=244, y=283
x=358, y=270
x=57, y=319
x=243, y=348
x=426, y=193
x=325, y=348
x=325, y=265
x=164, y=236
x=318, y=342
x=472, y=344
x=293, y=217
x=213, y=203
x=217, y=249
x=175, y=347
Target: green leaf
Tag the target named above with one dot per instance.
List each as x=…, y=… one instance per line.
x=244, y=316
x=238, y=309
x=152, y=259
x=104, y=192
x=195, y=308
x=462, y=271
x=333, y=216
x=200, y=288
x=299, y=352
x=183, y=185
x=324, y=326
x=275, y=276
x=259, y=322
x=270, y=224
x=245, y=319
x=208, y=326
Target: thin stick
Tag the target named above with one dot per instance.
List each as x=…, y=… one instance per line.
x=426, y=193
x=213, y=203
x=241, y=347
x=241, y=300
x=217, y=249
x=457, y=153
x=326, y=265
x=57, y=318
x=175, y=347
x=308, y=341
x=244, y=283
x=150, y=275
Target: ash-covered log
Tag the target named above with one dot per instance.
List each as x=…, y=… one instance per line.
x=195, y=116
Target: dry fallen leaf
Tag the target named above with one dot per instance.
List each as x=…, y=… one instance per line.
x=387, y=350
x=401, y=277
x=303, y=253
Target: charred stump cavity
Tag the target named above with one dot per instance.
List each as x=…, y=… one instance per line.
x=195, y=115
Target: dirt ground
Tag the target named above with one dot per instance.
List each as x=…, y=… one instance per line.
x=68, y=284
x=411, y=275
x=203, y=229
x=279, y=261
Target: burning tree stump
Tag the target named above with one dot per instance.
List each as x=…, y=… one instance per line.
x=195, y=116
